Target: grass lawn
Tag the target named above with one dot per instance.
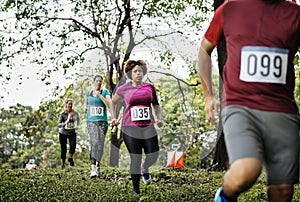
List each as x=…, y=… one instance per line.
x=74, y=184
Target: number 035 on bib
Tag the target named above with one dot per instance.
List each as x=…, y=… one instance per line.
x=264, y=64
x=140, y=113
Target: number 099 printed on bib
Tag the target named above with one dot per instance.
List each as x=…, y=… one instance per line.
x=264, y=64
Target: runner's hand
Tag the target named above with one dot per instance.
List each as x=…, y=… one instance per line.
x=159, y=123
x=98, y=93
x=114, y=122
x=211, y=110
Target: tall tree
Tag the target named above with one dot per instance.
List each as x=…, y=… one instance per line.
x=18, y=123
x=58, y=35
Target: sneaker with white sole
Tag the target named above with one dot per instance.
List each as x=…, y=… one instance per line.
x=146, y=176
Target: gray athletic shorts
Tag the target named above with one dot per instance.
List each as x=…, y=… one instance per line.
x=272, y=137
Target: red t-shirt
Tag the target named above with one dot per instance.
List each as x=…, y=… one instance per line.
x=261, y=41
x=139, y=101
x=215, y=28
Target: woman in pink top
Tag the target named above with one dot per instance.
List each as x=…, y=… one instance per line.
x=138, y=121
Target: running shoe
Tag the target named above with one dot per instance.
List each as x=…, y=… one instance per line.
x=146, y=176
x=71, y=161
x=220, y=197
x=136, y=192
x=94, y=174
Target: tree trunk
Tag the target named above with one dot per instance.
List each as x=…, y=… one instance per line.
x=116, y=140
x=220, y=161
x=115, y=148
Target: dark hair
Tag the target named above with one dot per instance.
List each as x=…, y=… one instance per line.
x=98, y=75
x=130, y=64
x=68, y=99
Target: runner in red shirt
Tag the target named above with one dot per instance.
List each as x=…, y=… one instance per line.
x=259, y=113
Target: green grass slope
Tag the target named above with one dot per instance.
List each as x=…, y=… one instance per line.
x=74, y=184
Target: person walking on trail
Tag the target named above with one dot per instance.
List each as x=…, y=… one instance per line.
x=96, y=103
x=68, y=123
x=259, y=112
x=138, y=121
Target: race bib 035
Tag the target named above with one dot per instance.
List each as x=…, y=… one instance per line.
x=264, y=64
x=96, y=111
x=140, y=113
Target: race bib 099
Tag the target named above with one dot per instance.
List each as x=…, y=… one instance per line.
x=140, y=113
x=264, y=64
x=96, y=111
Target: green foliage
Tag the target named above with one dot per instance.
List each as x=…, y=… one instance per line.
x=182, y=103
x=59, y=36
x=184, y=124
x=192, y=155
x=297, y=87
x=297, y=75
x=28, y=133
x=74, y=184
x=12, y=134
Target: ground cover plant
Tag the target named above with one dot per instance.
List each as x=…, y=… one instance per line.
x=74, y=184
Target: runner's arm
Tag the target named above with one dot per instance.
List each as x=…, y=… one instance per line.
x=157, y=112
x=205, y=72
x=113, y=102
x=61, y=123
x=85, y=104
x=105, y=100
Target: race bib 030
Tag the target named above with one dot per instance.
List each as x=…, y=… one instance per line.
x=264, y=64
x=140, y=113
x=96, y=111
